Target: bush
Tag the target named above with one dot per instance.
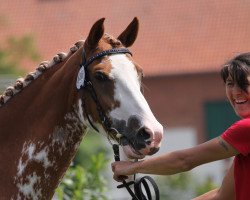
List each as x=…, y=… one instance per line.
x=84, y=183
x=206, y=186
x=183, y=186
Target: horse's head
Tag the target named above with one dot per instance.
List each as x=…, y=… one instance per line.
x=111, y=95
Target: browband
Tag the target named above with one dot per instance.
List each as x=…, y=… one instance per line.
x=104, y=53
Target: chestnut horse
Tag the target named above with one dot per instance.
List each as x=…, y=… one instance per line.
x=43, y=117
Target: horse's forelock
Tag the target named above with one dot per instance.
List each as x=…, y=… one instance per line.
x=112, y=41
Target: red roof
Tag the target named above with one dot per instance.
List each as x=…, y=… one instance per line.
x=175, y=36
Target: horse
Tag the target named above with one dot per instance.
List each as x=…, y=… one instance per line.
x=44, y=116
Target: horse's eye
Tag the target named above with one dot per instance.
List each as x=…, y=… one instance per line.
x=100, y=76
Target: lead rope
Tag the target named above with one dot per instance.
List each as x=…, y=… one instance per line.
x=138, y=191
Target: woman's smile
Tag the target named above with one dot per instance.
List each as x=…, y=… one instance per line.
x=240, y=101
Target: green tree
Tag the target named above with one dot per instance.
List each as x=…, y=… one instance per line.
x=206, y=186
x=15, y=51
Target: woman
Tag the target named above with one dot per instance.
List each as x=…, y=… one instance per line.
x=235, y=141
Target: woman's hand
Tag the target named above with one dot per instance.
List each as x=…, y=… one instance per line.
x=122, y=169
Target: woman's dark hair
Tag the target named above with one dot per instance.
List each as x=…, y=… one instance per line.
x=238, y=69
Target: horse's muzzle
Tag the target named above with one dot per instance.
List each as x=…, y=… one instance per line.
x=139, y=137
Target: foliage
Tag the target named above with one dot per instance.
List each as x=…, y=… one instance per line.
x=84, y=183
x=85, y=180
x=93, y=144
x=206, y=186
x=180, y=181
x=175, y=186
x=16, y=51
x=183, y=186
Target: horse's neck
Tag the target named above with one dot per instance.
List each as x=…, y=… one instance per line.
x=42, y=104
x=44, y=132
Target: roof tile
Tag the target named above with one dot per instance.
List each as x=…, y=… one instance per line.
x=175, y=36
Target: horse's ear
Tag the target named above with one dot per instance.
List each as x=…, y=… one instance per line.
x=128, y=36
x=95, y=34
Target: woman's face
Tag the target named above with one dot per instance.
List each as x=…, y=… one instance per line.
x=239, y=99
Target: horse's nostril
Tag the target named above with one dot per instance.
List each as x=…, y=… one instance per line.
x=141, y=139
x=143, y=134
x=153, y=151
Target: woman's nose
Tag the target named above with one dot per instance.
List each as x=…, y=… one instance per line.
x=236, y=89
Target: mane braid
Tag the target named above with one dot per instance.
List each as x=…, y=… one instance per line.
x=21, y=83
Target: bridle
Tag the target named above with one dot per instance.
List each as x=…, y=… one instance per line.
x=83, y=81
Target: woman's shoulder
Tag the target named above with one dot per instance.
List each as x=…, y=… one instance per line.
x=241, y=126
x=238, y=135
x=243, y=123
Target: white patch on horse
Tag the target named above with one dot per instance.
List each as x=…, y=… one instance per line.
x=42, y=153
x=58, y=138
x=21, y=167
x=127, y=89
x=42, y=157
x=80, y=112
x=30, y=189
x=31, y=150
x=71, y=132
x=29, y=155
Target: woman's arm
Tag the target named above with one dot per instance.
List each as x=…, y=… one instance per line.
x=177, y=161
x=211, y=195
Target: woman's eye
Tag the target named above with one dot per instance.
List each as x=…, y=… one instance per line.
x=101, y=76
x=229, y=84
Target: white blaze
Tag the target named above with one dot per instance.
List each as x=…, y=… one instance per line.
x=127, y=91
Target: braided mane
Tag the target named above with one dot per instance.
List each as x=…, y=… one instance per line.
x=21, y=83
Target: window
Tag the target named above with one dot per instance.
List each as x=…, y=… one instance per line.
x=219, y=116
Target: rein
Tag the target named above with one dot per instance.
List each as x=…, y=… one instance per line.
x=138, y=183
x=83, y=81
